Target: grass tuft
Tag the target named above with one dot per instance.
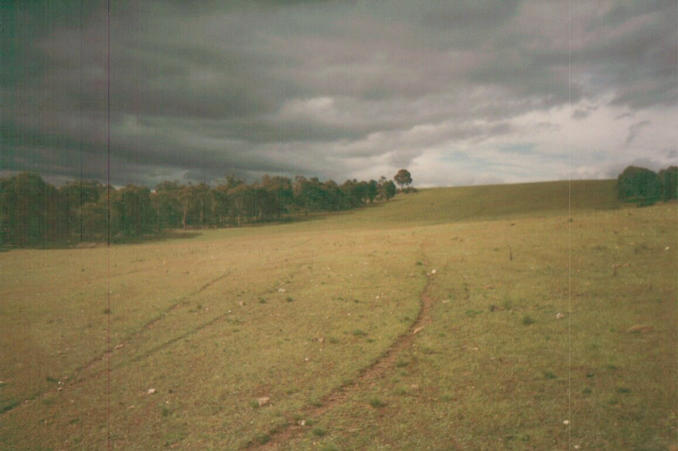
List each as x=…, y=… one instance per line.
x=377, y=403
x=262, y=438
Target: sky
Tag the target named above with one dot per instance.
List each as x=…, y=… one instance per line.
x=458, y=93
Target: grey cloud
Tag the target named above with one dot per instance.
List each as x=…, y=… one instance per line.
x=582, y=113
x=473, y=13
x=311, y=87
x=634, y=130
x=640, y=60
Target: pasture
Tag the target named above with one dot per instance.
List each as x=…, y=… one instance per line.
x=459, y=318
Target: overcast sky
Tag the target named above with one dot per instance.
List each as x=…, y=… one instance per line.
x=459, y=93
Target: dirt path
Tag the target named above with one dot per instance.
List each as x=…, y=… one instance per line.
x=281, y=436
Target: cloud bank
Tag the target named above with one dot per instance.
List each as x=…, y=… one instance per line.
x=460, y=93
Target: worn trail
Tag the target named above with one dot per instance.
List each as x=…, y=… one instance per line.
x=282, y=435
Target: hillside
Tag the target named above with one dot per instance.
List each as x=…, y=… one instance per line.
x=472, y=203
x=476, y=317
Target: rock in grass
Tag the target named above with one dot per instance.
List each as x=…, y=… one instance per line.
x=264, y=400
x=640, y=329
x=151, y=391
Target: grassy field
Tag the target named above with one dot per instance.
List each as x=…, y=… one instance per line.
x=463, y=318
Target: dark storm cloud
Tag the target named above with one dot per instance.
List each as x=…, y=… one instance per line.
x=324, y=88
x=470, y=14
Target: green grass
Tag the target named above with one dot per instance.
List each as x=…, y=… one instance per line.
x=478, y=375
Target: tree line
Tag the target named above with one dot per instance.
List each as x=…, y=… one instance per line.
x=645, y=187
x=33, y=212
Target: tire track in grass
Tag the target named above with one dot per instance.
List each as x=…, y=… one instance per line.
x=74, y=377
x=281, y=435
x=77, y=377
x=147, y=325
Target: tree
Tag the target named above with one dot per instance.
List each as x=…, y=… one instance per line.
x=94, y=217
x=75, y=195
x=335, y=198
x=386, y=188
x=372, y=190
x=669, y=180
x=403, y=178
x=638, y=184
x=187, y=200
x=133, y=215
x=23, y=202
x=242, y=202
x=353, y=193
x=35, y=212
x=204, y=205
x=310, y=194
x=281, y=190
x=168, y=208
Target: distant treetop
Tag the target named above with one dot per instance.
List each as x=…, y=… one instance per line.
x=33, y=212
x=403, y=178
x=644, y=186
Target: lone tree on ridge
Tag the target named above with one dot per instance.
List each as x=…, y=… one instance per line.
x=403, y=178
